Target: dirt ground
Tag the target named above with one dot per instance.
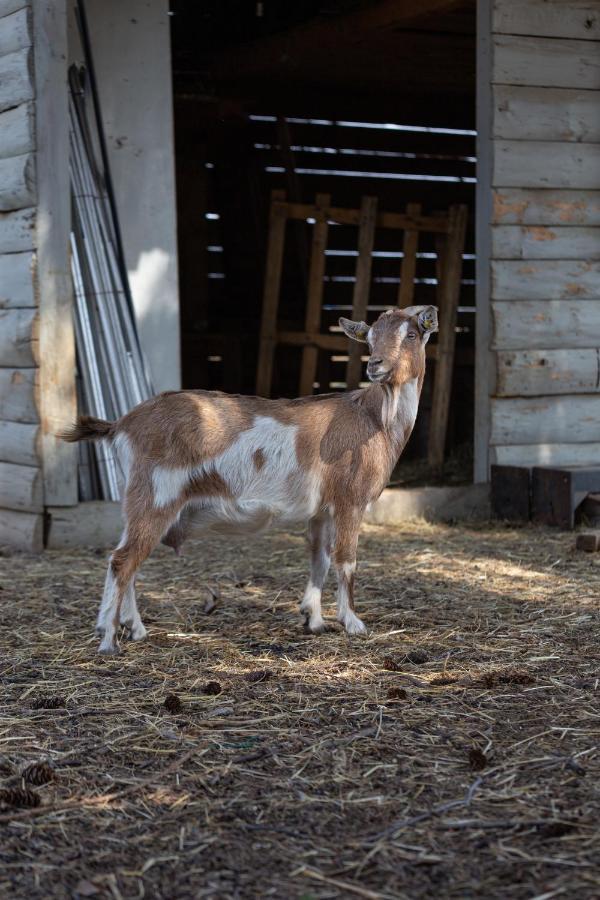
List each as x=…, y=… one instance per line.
x=452, y=753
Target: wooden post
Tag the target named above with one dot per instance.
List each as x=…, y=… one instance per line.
x=406, y=290
x=315, y=292
x=450, y=268
x=268, y=330
x=360, y=300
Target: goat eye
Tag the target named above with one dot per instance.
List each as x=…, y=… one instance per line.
x=411, y=336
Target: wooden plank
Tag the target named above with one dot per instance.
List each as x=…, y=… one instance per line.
x=17, y=131
x=545, y=242
x=16, y=280
x=94, y=524
x=532, y=373
x=18, y=337
x=314, y=300
x=21, y=487
x=449, y=292
x=268, y=329
x=17, y=182
x=19, y=395
x=21, y=531
x=16, y=79
x=546, y=114
x=545, y=279
x=547, y=454
x=17, y=230
x=545, y=164
x=362, y=284
x=58, y=401
x=15, y=31
x=313, y=339
x=10, y=6
x=513, y=206
x=546, y=324
x=529, y=420
x=552, y=18
x=19, y=443
x=406, y=288
x=546, y=62
x=344, y=216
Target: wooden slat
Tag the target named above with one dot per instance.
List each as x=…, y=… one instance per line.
x=315, y=292
x=529, y=420
x=547, y=454
x=545, y=279
x=514, y=206
x=15, y=31
x=19, y=443
x=449, y=296
x=546, y=114
x=266, y=349
x=546, y=62
x=313, y=339
x=546, y=324
x=21, y=487
x=19, y=395
x=18, y=337
x=406, y=289
x=553, y=18
x=532, y=373
x=344, y=216
x=16, y=79
x=16, y=131
x=362, y=285
x=545, y=164
x=17, y=182
x=545, y=242
x=16, y=280
x=17, y=231
x=21, y=531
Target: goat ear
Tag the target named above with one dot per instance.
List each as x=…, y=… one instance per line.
x=426, y=316
x=358, y=331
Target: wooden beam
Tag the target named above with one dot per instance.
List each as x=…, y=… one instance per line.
x=545, y=279
x=546, y=164
x=17, y=230
x=19, y=443
x=19, y=330
x=16, y=280
x=546, y=114
x=555, y=242
x=344, y=216
x=314, y=299
x=17, y=131
x=17, y=182
x=362, y=284
x=19, y=395
x=15, y=33
x=268, y=329
x=530, y=420
x=546, y=454
x=406, y=288
x=21, y=530
x=546, y=324
x=545, y=206
x=575, y=19
x=546, y=62
x=16, y=78
x=534, y=373
x=21, y=487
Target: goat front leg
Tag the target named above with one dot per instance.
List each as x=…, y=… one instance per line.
x=319, y=540
x=344, y=559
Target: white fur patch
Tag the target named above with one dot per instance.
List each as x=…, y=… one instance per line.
x=122, y=448
x=409, y=400
x=403, y=330
x=349, y=569
x=168, y=484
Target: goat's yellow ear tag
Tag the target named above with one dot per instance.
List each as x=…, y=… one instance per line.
x=428, y=322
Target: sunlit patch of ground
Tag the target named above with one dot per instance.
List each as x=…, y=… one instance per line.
x=450, y=753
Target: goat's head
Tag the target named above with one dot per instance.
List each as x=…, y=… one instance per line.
x=396, y=342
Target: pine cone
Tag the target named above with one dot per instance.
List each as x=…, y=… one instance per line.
x=19, y=797
x=173, y=704
x=258, y=676
x=38, y=773
x=48, y=703
x=212, y=687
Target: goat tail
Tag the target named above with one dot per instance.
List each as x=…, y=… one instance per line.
x=87, y=428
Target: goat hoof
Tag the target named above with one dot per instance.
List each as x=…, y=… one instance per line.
x=355, y=626
x=109, y=649
x=138, y=633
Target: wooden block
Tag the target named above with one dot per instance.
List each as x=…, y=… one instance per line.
x=16, y=280
x=15, y=31
x=16, y=79
x=546, y=242
x=575, y=19
x=17, y=230
x=21, y=487
x=545, y=114
x=17, y=182
x=589, y=541
x=530, y=420
x=21, y=530
x=17, y=131
x=557, y=493
x=546, y=62
x=511, y=493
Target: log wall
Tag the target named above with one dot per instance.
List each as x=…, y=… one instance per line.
x=540, y=278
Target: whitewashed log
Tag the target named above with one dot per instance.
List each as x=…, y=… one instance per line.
x=546, y=62
x=546, y=114
x=10, y=6
x=529, y=420
x=21, y=531
x=21, y=488
x=544, y=279
x=16, y=78
x=17, y=230
x=552, y=18
x=546, y=324
x=513, y=206
x=535, y=373
x=17, y=182
x=19, y=443
x=545, y=242
x=16, y=280
x=93, y=524
x=18, y=337
x=547, y=455
x=19, y=395
x=15, y=31
x=16, y=131
x=545, y=164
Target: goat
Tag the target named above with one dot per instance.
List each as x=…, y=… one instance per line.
x=207, y=461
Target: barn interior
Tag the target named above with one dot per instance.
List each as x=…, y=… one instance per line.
x=344, y=99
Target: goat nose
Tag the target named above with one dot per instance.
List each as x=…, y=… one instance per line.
x=375, y=362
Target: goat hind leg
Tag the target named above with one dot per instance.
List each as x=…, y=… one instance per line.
x=319, y=538
x=130, y=616
x=344, y=556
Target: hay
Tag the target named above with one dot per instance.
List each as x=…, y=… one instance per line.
x=451, y=753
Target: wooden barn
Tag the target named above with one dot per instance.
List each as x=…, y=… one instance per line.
x=277, y=165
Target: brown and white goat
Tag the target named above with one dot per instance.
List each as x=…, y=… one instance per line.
x=207, y=461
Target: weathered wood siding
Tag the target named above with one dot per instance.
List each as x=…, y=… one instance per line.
x=544, y=235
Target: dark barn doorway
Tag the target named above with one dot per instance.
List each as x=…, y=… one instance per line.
x=346, y=99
